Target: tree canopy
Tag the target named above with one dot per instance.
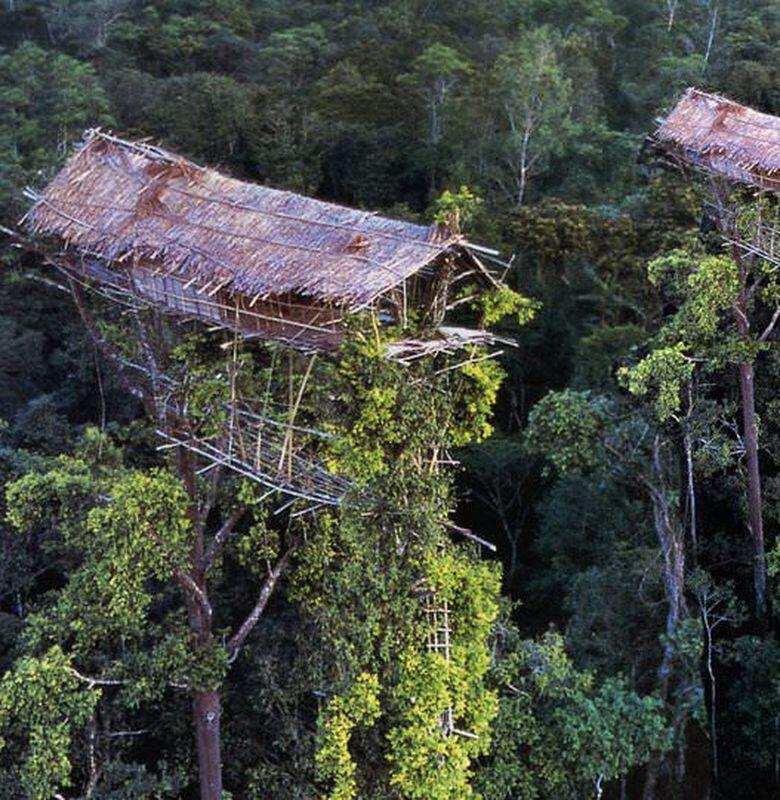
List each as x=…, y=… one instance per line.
x=621, y=455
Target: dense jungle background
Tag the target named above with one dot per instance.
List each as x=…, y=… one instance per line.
x=618, y=429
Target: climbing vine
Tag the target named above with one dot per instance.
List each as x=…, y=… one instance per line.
x=366, y=574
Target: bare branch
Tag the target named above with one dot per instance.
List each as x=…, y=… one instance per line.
x=92, y=682
x=770, y=327
x=469, y=534
x=220, y=537
x=266, y=590
x=187, y=582
x=742, y=317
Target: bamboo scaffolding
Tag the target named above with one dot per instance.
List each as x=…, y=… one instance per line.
x=306, y=480
x=444, y=340
x=439, y=641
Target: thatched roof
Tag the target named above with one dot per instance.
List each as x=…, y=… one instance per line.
x=131, y=202
x=715, y=134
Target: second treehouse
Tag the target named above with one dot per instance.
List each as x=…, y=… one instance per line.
x=733, y=153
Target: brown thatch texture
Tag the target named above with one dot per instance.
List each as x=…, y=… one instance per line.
x=722, y=137
x=134, y=203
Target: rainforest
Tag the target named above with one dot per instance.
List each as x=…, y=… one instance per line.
x=389, y=399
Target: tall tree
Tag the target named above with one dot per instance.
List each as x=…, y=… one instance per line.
x=434, y=77
x=577, y=431
x=46, y=101
x=728, y=309
x=534, y=99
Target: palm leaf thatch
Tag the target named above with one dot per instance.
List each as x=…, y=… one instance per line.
x=120, y=201
x=722, y=138
x=264, y=262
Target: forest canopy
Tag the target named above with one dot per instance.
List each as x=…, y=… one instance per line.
x=600, y=541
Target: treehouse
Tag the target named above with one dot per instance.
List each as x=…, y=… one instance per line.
x=736, y=150
x=145, y=228
x=141, y=222
x=722, y=139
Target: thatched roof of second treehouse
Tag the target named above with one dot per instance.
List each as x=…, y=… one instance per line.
x=723, y=137
x=123, y=201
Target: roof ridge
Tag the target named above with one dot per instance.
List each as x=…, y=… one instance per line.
x=125, y=202
x=145, y=149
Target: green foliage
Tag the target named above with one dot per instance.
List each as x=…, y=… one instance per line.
x=258, y=547
x=536, y=98
x=126, y=534
x=751, y=706
x=503, y=302
x=376, y=623
x=205, y=384
x=713, y=288
x=139, y=532
x=206, y=115
x=42, y=704
x=367, y=572
x=455, y=210
x=708, y=289
x=600, y=352
x=46, y=101
x=143, y=531
x=666, y=370
x=439, y=62
x=294, y=54
x=566, y=428
x=390, y=422
x=709, y=285
x=555, y=232
x=425, y=763
x=357, y=708
x=559, y=732
x=476, y=391
x=57, y=496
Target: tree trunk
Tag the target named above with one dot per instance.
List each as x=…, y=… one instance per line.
x=713, y=690
x=671, y=6
x=206, y=704
x=711, y=36
x=671, y=537
x=673, y=550
x=755, y=513
x=206, y=709
x=206, y=713
x=690, y=475
x=193, y=580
